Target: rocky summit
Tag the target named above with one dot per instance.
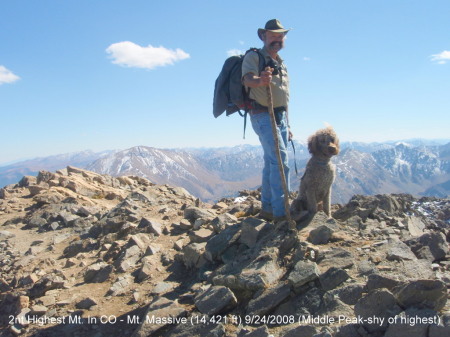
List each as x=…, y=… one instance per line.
x=86, y=254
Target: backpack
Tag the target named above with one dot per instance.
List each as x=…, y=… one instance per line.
x=229, y=92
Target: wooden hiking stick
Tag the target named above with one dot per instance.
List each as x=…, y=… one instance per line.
x=292, y=224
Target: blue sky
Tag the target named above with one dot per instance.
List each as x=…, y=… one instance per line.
x=108, y=74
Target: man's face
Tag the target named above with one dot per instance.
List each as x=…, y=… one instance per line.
x=273, y=41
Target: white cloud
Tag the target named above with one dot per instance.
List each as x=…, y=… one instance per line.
x=441, y=58
x=306, y=58
x=233, y=52
x=129, y=54
x=6, y=76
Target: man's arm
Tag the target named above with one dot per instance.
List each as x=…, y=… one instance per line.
x=253, y=81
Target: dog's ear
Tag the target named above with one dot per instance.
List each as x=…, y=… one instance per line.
x=312, y=144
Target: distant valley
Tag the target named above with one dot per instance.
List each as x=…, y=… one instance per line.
x=416, y=167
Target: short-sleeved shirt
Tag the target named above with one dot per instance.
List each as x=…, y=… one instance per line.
x=280, y=82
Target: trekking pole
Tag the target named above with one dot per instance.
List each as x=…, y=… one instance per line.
x=292, y=224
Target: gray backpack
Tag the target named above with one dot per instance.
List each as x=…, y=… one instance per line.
x=229, y=92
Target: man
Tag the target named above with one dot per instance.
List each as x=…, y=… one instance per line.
x=275, y=75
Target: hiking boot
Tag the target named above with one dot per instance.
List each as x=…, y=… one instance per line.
x=268, y=216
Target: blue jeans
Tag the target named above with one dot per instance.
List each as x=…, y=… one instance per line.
x=272, y=194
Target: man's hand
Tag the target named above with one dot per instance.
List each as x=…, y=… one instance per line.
x=290, y=134
x=265, y=77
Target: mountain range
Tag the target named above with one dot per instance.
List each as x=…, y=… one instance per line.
x=415, y=166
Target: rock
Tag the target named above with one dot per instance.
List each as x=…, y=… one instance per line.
x=399, y=251
x=410, y=323
x=268, y=300
x=152, y=226
x=215, y=300
x=423, y=294
x=320, y=235
x=350, y=330
x=141, y=240
x=350, y=294
x=46, y=283
x=438, y=331
x=335, y=257
x=145, y=271
x=379, y=303
x=194, y=213
x=120, y=286
x=258, y=332
x=415, y=225
x=193, y=255
x=302, y=273
x=220, y=242
x=86, y=303
x=303, y=331
x=197, y=329
x=98, y=272
x=377, y=281
x=436, y=243
x=259, y=274
x=201, y=235
x=308, y=303
x=5, y=235
x=162, y=287
x=332, y=278
x=223, y=221
x=162, y=311
x=252, y=230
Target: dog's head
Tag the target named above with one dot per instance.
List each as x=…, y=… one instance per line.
x=324, y=142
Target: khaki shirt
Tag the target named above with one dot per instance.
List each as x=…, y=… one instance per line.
x=279, y=83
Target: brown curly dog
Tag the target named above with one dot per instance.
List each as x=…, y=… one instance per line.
x=315, y=185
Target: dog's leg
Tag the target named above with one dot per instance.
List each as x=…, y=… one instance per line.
x=327, y=203
x=311, y=201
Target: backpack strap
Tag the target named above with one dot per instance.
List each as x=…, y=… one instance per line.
x=262, y=66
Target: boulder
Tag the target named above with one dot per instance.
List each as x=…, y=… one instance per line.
x=215, y=300
x=425, y=294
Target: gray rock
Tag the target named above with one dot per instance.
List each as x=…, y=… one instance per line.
x=162, y=287
x=438, y=331
x=379, y=303
x=335, y=257
x=201, y=235
x=415, y=226
x=162, y=310
x=223, y=221
x=332, y=278
x=350, y=294
x=193, y=255
x=194, y=213
x=410, y=323
x=259, y=332
x=38, y=310
x=350, y=330
x=120, y=286
x=151, y=225
x=256, y=275
x=308, y=303
x=436, y=243
x=215, y=300
x=399, y=251
x=98, y=272
x=197, y=330
x=320, y=235
x=268, y=300
x=5, y=235
x=252, y=230
x=302, y=273
x=220, y=242
x=46, y=283
x=377, y=281
x=303, y=331
x=426, y=294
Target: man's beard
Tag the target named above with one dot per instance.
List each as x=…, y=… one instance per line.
x=276, y=45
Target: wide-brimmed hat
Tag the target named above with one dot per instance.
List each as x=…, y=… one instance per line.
x=274, y=26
